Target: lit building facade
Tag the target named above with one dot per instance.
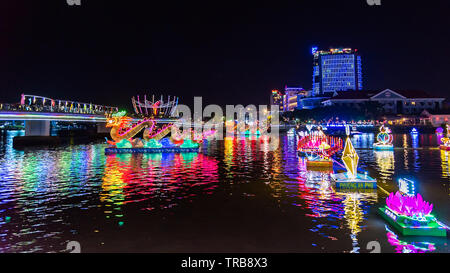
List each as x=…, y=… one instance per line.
x=309, y=103
x=437, y=117
x=276, y=98
x=338, y=69
x=392, y=102
x=291, y=96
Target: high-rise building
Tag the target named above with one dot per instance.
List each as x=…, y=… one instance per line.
x=288, y=100
x=338, y=69
x=291, y=96
x=276, y=98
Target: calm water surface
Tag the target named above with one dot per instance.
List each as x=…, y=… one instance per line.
x=235, y=196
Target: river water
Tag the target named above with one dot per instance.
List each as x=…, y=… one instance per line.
x=234, y=196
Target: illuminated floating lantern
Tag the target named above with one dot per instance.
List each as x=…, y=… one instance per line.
x=414, y=131
x=318, y=163
x=250, y=129
x=352, y=179
x=164, y=145
x=410, y=214
x=150, y=150
x=384, y=139
x=445, y=146
x=248, y=133
x=155, y=146
x=154, y=141
x=152, y=106
x=321, y=159
x=316, y=146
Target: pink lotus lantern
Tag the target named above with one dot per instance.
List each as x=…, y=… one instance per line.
x=412, y=206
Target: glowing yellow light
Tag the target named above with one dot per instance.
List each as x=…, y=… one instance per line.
x=350, y=158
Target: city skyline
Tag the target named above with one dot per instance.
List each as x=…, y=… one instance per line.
x=74, y=52
x=222, y=135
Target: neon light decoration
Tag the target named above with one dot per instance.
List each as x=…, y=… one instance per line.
x=410, y=214
x=352, y=179
x=155, y=108
x=318, y=148
x=350, y=158
x=152, y=143
x=119, y=114
x=414, y=131
x=406, y=187
x=384, y=139
x=121, y=127
x=188, y=143
x=247, y=129
x=154, y=140
x=446, y=140
x=413, y=206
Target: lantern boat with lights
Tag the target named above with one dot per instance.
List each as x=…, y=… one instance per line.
x=384, y=139
x=320, y=159
x=414, y=131
x=255, y=128
x=318, y=148
x=352, y=179
x=155, y=140
x=410, y=214
x=445, y=146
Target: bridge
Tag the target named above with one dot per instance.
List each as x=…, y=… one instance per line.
x=38, y=112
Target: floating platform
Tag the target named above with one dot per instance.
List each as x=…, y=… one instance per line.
x=381, y=147
x=444, y=148
x=150, y=150
x=319, y=164
x=362, y=181
x=410, y=227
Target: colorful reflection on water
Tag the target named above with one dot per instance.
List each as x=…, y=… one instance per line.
x=50, y=195
x=386, y=164
x=156, y=181
x=408, y=246
x=445, y=158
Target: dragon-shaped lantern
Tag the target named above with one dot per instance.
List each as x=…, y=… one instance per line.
x=124, y=129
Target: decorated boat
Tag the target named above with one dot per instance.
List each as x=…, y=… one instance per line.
x=408, y=213
x=318, y=148
x=254, y=129
x=445, y=146
x=414, y=131
x=124, y=130
x=384, y=139
x=320, y=159
x=351, y=179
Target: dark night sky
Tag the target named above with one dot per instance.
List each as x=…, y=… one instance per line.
x=226, y=51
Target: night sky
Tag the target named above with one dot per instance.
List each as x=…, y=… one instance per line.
x=225, y=51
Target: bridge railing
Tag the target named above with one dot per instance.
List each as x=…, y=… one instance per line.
x=50, y=109
x=31, y=103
